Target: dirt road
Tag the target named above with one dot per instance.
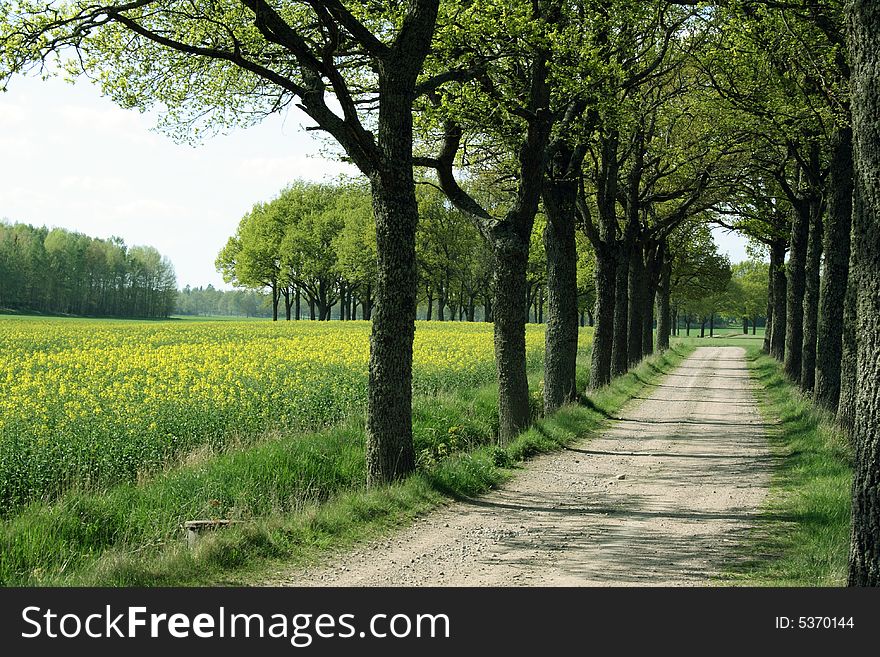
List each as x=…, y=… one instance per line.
x=661, y=498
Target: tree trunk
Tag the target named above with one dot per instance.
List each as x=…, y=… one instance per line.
x=342, y=304
x=561, y=336
x=288, y=302
x=619, y=358
x=712, y=325
x=794, y=308
x=603, y=334
x=780, y=296
x=835, y=274
x=702, y=327
x=864, y=44
x=390, y=453
x=846, y=405
x=755, y=325
x=745, y=325
x=276, y=294
x=765, y=347
x=367, y=303
x=811, y=298
x=687, y=321
x=653, y=264
x=635, y=312
x=664, y=312
x=298, y=303
x=311, y=309
x=430, y=312
x=510, y=306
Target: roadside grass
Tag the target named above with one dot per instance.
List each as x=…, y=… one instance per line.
x=296, y=496
x=803, y=537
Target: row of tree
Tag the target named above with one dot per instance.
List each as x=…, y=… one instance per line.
x=209, y=301
x=632, y=122
x=313, y=247
x=59, y=271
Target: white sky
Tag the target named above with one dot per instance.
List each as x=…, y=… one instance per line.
x=72, y=159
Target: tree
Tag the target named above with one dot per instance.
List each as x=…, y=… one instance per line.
x=234, y=62
x=355, y=245
x=251, y=258
x=516, y=83
x=864, y=48
x=311, y=221
x=749, y=294
x=700, y=275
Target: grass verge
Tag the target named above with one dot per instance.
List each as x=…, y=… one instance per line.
x=804, y=540
x=297, y=496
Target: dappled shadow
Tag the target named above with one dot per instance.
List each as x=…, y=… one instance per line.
x=665, y=495
x=769, y=457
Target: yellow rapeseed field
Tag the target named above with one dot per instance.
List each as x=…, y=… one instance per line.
x=91, y=403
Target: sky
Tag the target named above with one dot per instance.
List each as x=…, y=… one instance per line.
x=70, y=158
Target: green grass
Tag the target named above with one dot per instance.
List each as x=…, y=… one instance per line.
x=297, y=496
x=803, y=539
x=722, y=338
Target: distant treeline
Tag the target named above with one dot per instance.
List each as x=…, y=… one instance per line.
x=59, y=271
x=211, y=301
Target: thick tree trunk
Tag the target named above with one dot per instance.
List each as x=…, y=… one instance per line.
x=865, y=55
x=561, y=336
x=794, y=308
x=603, y=335
x=636, y=300
x=276, y=294
x=769, y=323
x=312, y=309
x=780, y=299
x=653, y=263
x=619, y=353
x=846, y=405
x=811, y=298
x=390, y=453
x=298, y=304
x=838, y=225
x=664, y=312
x=510, y=306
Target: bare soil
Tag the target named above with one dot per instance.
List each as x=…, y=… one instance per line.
x=663, y=497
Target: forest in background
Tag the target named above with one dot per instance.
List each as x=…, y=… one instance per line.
x=56, y=271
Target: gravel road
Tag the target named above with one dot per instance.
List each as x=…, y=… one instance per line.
x=663, y=497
